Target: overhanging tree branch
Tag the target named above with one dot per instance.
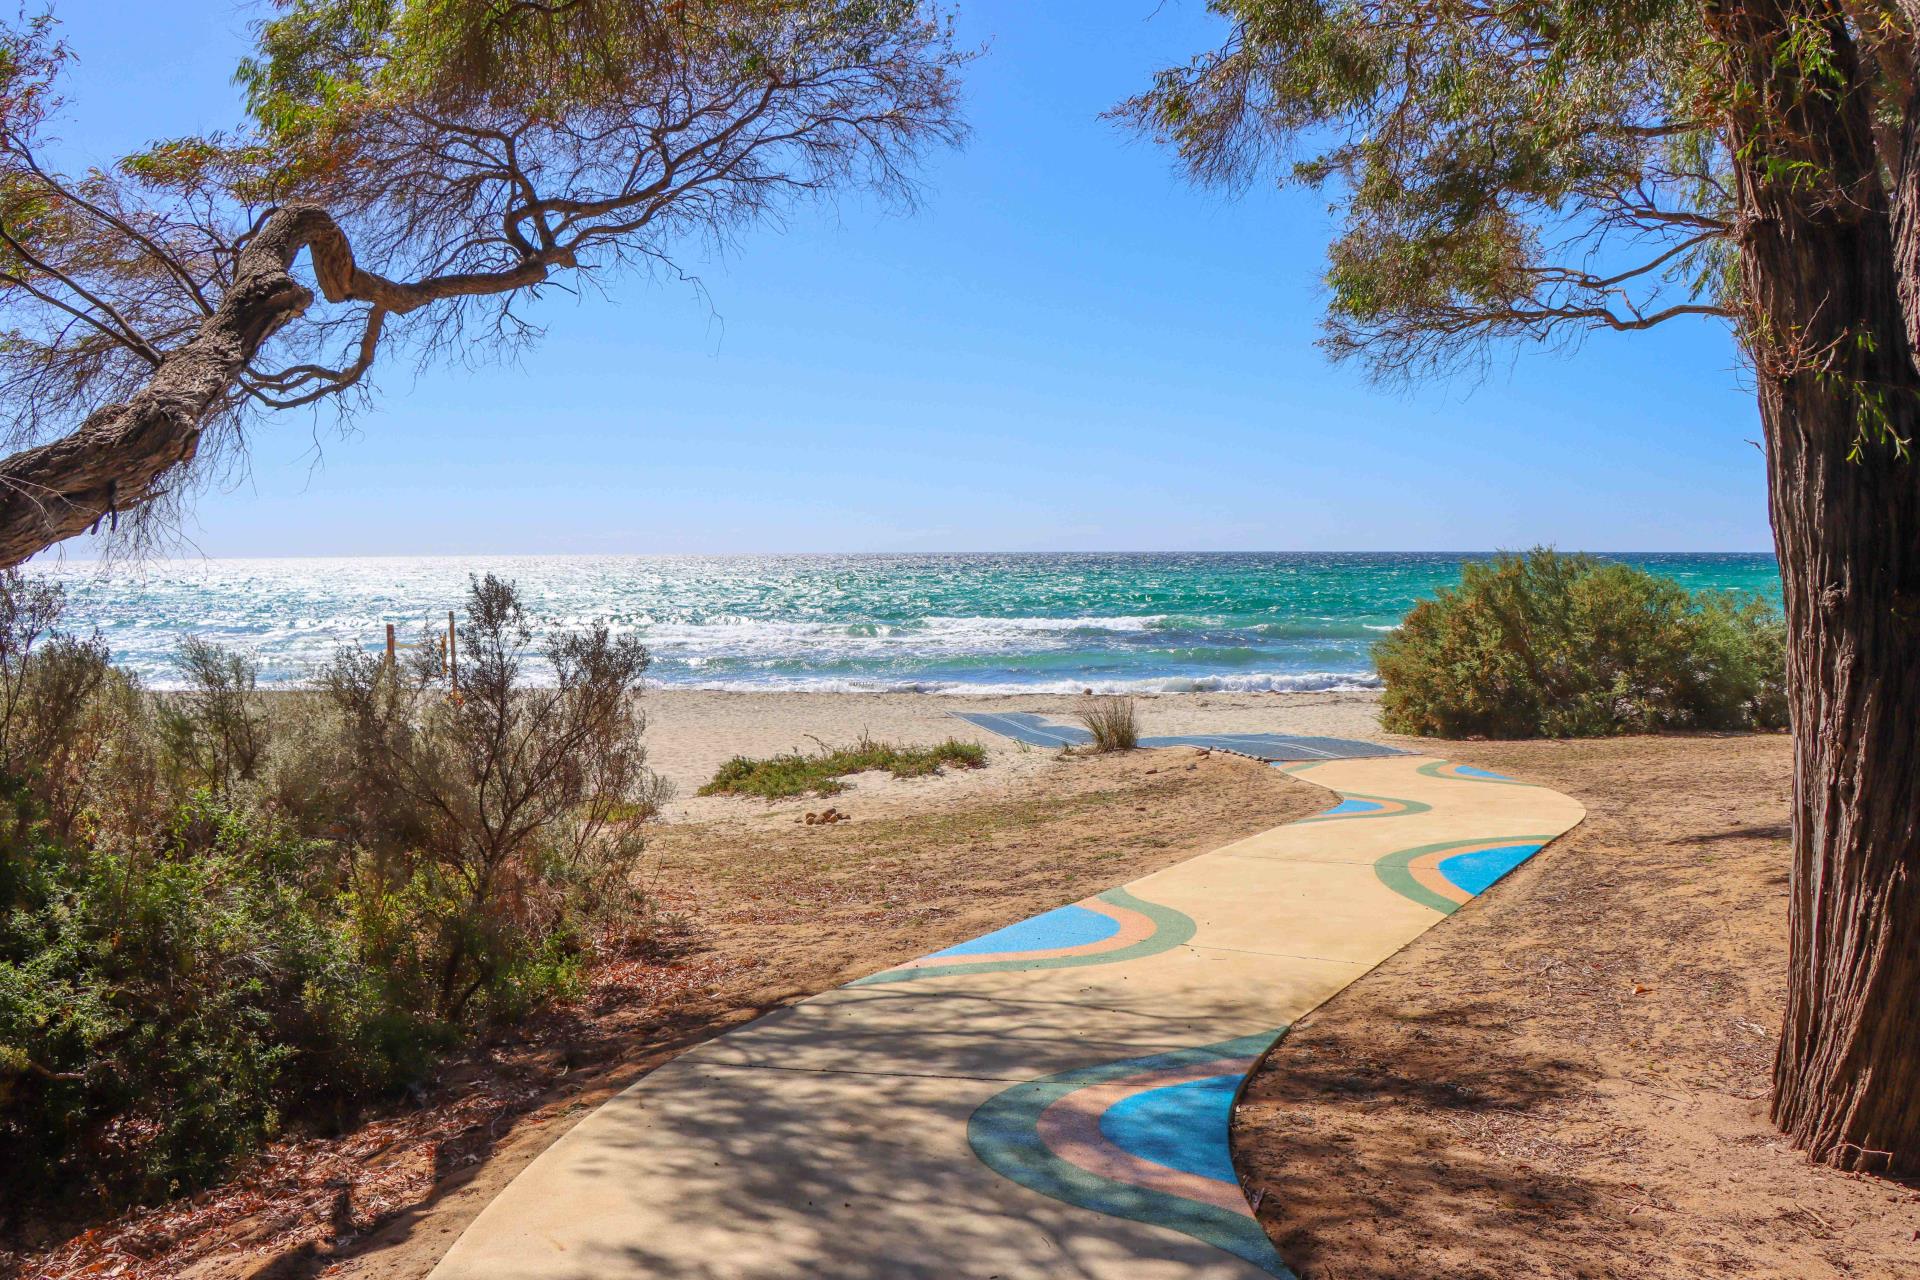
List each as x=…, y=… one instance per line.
x=470, y=151
x=116, y=461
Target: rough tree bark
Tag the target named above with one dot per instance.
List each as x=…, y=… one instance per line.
x=122, y=455
x=1822, y=266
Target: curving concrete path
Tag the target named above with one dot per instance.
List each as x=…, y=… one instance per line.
x=1050, y=1100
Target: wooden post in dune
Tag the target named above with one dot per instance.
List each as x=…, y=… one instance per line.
x=453, y=655
x=389, y=645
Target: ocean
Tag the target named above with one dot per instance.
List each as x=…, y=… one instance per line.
x=927, y=623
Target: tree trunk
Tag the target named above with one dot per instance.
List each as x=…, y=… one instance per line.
x=1837, y=384
x=1847, y=1077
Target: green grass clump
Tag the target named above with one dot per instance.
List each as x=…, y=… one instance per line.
x=1572, y=646
x=795, y=774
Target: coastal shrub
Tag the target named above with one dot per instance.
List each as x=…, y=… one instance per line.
x=163, y=1009
x=53, y=733
x=224, y=914
x=216, y=730
x=1113, y=722
x=797, y=774
x=1550, y=645
x=502, y=821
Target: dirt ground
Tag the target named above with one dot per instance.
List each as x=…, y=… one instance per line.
x=755, y=909
x=1568, y=1078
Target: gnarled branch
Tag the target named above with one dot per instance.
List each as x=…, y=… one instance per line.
x=117, y=459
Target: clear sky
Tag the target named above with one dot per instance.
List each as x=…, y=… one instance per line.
x=1065, y=348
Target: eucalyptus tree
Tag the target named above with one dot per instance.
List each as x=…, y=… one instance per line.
x=429, y=167
x=1538, y=170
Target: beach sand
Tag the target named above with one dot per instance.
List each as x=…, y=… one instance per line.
x=691, y=733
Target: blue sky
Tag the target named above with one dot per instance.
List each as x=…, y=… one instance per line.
x=1065, y=348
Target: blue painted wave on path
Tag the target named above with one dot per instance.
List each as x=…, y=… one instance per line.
x=1474, y=872
x=1182, y=1126
x=1061, y=927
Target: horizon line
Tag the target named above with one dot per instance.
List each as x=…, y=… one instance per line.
x=132, y=561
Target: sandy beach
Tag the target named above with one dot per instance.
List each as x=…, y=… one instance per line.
x=690, y=733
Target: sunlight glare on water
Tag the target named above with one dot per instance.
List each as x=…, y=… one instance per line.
x=933, y=623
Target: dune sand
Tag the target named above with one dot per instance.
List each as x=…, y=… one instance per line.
x=691, y=732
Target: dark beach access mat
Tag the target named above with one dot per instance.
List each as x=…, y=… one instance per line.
x=1038, y=731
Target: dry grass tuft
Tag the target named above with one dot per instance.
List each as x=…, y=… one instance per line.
x=1113, y=722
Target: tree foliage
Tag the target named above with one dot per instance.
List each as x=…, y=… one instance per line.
x=1499, y=171
x=1537, y=170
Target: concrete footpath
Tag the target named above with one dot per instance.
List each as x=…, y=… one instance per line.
x=1050, y=1100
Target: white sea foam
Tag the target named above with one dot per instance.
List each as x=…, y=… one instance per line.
x=1028, y=626
x=293, y=638
x=935, y=634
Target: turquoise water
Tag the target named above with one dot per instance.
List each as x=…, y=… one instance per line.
x=939, y=623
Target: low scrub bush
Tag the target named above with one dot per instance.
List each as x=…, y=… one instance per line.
x=497, y=824
x=223, y=914
x=795, y=774
x=216, y=733
x=1552, y=645
x=1113, y=722
x=164, y=1010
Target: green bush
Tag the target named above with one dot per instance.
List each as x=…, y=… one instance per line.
x=1552, y=645
x=223, y=915
x=162, y=1011
x=216, y=732
x=500, y=826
